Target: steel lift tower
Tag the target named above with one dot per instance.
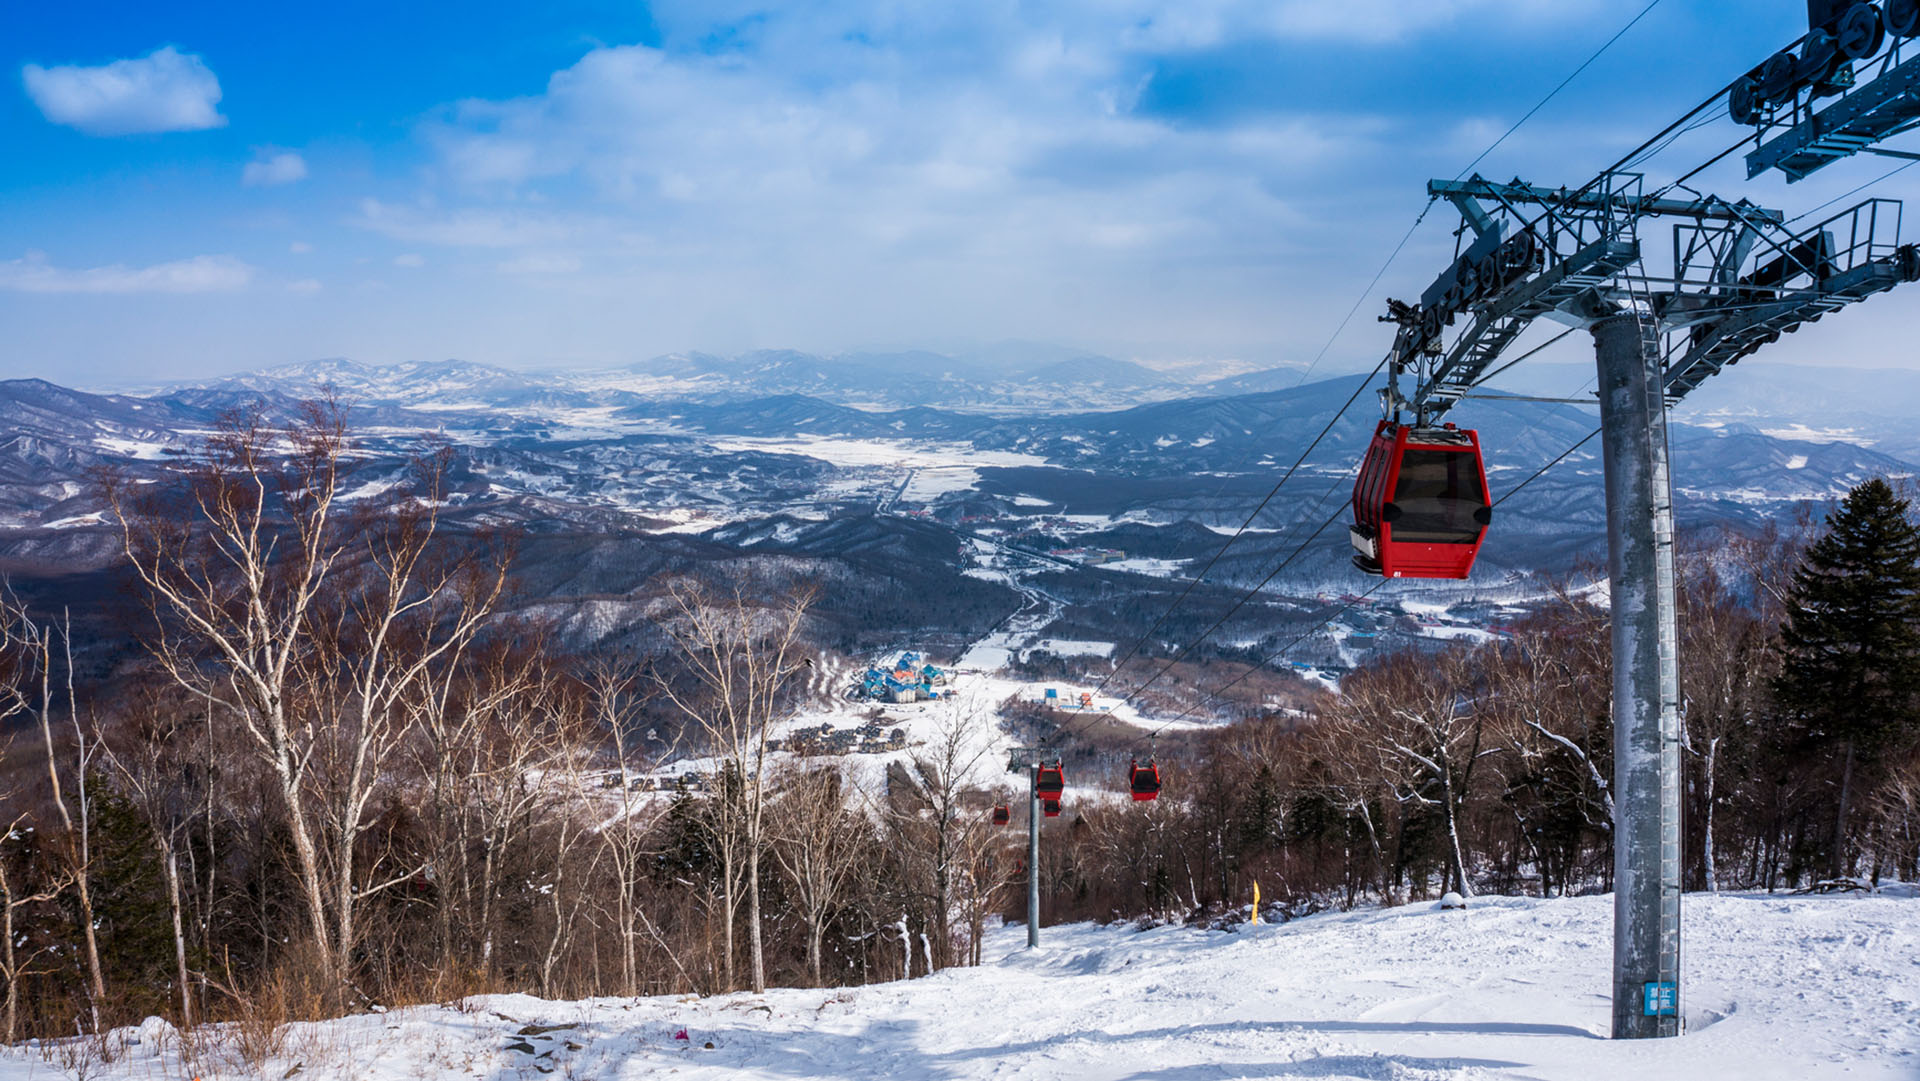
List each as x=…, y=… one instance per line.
x=1674, y=286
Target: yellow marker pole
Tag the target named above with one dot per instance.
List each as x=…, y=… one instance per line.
x=1256, y=902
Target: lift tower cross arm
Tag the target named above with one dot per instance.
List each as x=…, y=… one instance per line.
x=1594, y=200
x=1734, y=276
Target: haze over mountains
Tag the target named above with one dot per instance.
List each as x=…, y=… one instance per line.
x=1008, y=379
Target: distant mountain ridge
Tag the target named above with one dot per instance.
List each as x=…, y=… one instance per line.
x=998, y=383
x=760, y=451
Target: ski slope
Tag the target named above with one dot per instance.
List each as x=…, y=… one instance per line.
x=1775, y=988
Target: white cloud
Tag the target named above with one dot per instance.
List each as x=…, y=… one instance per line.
x=861, y=170
x=464, y=228
x=200, y=274
x=540, y=263
x=410, y=259
x=304, y=285
x=1036, y=160
x=166, y=90
x=898, y=182
x=283, y=167
x=299, y=247
x=1191, y=23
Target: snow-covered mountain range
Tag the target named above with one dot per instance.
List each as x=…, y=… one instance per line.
x=1007, y=380
x=900, y=475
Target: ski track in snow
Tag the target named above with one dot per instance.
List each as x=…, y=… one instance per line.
x=1511, y=988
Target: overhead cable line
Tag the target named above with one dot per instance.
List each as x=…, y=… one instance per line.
x=1881, y=179
x=1195, y=581
x=1298, y=549
x=1348, y=318
x=1242, y=600
x=1249, y=594
x=1555, y=340
x=1561, y=457
x=1270, y=659
x=1282, y=651
x=1657, y=142
x=1551, y=94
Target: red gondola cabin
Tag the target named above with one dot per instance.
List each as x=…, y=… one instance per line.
x=1144, y=781
x=1420, y=507
x=1050, y=808
x=1050, y=783
x=1002, y=815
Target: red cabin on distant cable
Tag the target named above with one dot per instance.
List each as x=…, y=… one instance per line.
x=1002, y=815
x=1420, y=507
x=1144, y=781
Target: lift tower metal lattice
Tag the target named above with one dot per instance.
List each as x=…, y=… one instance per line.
x=1673, y=290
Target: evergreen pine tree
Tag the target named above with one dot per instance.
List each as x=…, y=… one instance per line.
x=1852, y=638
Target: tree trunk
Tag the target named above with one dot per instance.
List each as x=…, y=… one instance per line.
x=79, y=840
x=307, y=864
x=170, y=862
x=813, y=951
x=486, y=910
x=1458, y=872
x=629, y=932
x=1840, y=867
x=6, y=954
x=344, y=929
x=755, y=947
x=96, y=982
x=942, y=889
x=906, y=947
x=726, y=921
x=1706, y=842
x=1379, y=854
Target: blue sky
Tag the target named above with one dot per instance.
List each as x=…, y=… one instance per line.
x=195, y=189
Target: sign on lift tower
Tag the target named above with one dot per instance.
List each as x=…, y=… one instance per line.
x=1735, y=277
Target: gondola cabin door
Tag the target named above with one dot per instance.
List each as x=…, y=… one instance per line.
x=1420, y=507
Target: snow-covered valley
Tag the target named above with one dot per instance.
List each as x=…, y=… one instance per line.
x=1774, y=987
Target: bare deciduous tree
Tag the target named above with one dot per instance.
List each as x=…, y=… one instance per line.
x=158, y=773
x=820, y=845
x=25, y=656
x=934, y=815
x=1416, y=717
x=308, y=630
x=740, y=658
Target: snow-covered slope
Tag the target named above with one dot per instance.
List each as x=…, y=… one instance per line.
x=1774, y=988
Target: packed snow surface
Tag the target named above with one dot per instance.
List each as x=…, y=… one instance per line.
x=1773, y=988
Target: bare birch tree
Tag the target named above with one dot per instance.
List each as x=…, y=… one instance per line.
x=935, y=815
x=24, y=658
x=1724, y=689
x=627, y=835
x=820, y=846
x=738, y=660
x=1416, y=716
x=72, y=802
x=158, y=776
x=306, y=628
